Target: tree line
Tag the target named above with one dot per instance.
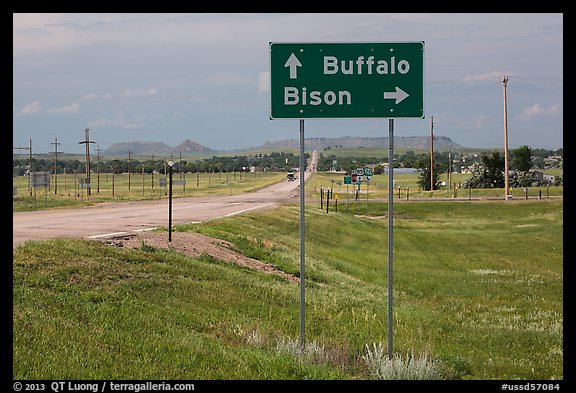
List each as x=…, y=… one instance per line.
x=487, y=169
x=275, y=162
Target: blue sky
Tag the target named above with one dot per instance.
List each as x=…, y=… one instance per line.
x=205, y=77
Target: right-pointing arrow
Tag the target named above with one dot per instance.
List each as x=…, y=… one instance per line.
x=399, y=95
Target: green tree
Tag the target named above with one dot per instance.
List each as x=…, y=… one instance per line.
x=522, y=162
x=521, y=158
x=424, y=177
x=489, y=173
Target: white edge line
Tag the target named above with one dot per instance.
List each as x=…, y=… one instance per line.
x=145, y=229
x=194, y=222
x=120, y=233
x=106, y=235
x=245, y=210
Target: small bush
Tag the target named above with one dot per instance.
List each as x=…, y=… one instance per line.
x=313, y=352
x=399, y=367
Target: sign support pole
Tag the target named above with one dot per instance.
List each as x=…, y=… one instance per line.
x=170, y=207
x=302, y=296
x=390, y=228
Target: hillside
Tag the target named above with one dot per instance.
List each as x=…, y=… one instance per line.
x=191, y=148
x=478, y=292
x=415, y=142
x=188, y=148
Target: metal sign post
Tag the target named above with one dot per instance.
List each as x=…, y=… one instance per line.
x=390, y=228
x=302, y=294
x=170, y=164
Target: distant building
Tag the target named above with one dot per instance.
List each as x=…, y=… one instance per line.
x=541, y=177
x=399, y=171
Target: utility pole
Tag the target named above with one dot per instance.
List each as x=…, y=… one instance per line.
x=112, y=168
x=87, y=141
x=506, y=186
x=98, y=150
x=449, y=177
x=29, y=148
x=152, y=176
x=183, y=173
x=55, y=143
x=128, y=169
x=431, y=153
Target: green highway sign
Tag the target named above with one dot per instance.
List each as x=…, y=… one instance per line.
x=346, y=80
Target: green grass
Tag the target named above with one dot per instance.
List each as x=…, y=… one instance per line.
x=122, y=188
x=477, y=290
x=408, y=184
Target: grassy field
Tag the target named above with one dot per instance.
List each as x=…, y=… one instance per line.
x=122, y=188
x=477, y=289
x=408, y=184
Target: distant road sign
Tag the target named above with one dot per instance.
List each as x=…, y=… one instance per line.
x=39, y=179
x=347, y=179
x=347, y=80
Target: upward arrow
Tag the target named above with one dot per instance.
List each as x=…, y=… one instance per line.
x=399, y=95
x=293, y=62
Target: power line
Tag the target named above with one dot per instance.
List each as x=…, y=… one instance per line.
x=87, y=141
x=55, y=143
x=504, y=84
x=29, y=148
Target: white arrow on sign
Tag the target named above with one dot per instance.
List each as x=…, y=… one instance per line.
x=293, y=62
x=399, y=95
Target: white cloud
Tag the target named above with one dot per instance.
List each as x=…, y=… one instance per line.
x=139, y=92
x=480, y=122
x=553, y=110
x=94, y=96
x=226, y=79
x=113, y=123
x=48, y=32
x=33, y=107
x=72, y=108
x=264, y=82
x=486, y=76
x=141, y=117
x=537, y=110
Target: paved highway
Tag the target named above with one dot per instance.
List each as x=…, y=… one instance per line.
x=116, y=218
